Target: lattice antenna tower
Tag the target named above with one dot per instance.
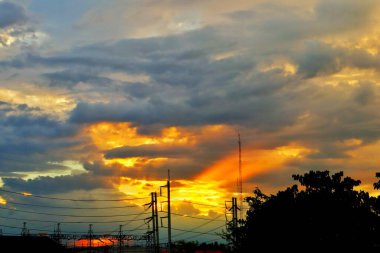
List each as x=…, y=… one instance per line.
x=240, y=179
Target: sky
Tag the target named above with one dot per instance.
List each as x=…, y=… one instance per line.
x=99, y=99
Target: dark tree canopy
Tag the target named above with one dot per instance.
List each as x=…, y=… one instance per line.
x=326, y=213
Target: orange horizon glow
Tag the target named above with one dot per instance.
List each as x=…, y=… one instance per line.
x=95, y=243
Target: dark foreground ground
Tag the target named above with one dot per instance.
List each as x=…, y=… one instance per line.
x=32, y=244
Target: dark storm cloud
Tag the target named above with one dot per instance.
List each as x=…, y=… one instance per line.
x=12, y=14
x=38, y=126
x=31, y=141
x=321, y=59
x=151, y=151
x=60, y=184
x=71, y=77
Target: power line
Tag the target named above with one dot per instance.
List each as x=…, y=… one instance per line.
x=69, y=215
x=201, y=204
x=25, y=194
x=193, y=217
x=130, y=221
x=68, y=222
x=41, y=230
x=137, y=228
x=202, y=225
x=198, y=232
x=6, y=226
x=203, y=233
x=64, y=207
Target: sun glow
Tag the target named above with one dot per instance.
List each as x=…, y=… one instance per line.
x=3, y=201
x=183, y=193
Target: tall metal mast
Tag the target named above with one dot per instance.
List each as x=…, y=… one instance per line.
x=240, y=180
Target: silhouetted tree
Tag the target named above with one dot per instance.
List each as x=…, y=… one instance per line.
x=326, y=214
x=377, y=184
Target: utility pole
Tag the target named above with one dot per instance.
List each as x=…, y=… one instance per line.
x=24, y=231
x=154, y=219
x=57, y=233
x=120, y=238
x=90, y=235
x=234, y=210
x=234, y=214
x=169, y=212
x=233, y=224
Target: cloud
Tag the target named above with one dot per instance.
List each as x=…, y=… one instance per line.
x=289, y=73
x=156, y=19
x=33, y=141
x=151, y=151
x=60, y=184
x=12, y=14
x=18, y=27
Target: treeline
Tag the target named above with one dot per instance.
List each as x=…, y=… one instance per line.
x=325, y=213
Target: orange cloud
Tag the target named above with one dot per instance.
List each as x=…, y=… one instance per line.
x=106, y=136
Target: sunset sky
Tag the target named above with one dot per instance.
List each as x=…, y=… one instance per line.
x=98, y=99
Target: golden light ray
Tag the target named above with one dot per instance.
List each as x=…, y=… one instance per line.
x=255, y=162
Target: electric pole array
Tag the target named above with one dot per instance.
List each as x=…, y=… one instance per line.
x=169, y=212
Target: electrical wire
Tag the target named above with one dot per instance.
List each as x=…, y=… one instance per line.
x=25, y=194
x=31, y=229
x=197, y=232
x=50, y=231
x=64, y=207
x=69, y=222
x=203, y=233
x=199, y=226
x=138, y=215
x=193, y=217
x=201, y=204
x=70, y=215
